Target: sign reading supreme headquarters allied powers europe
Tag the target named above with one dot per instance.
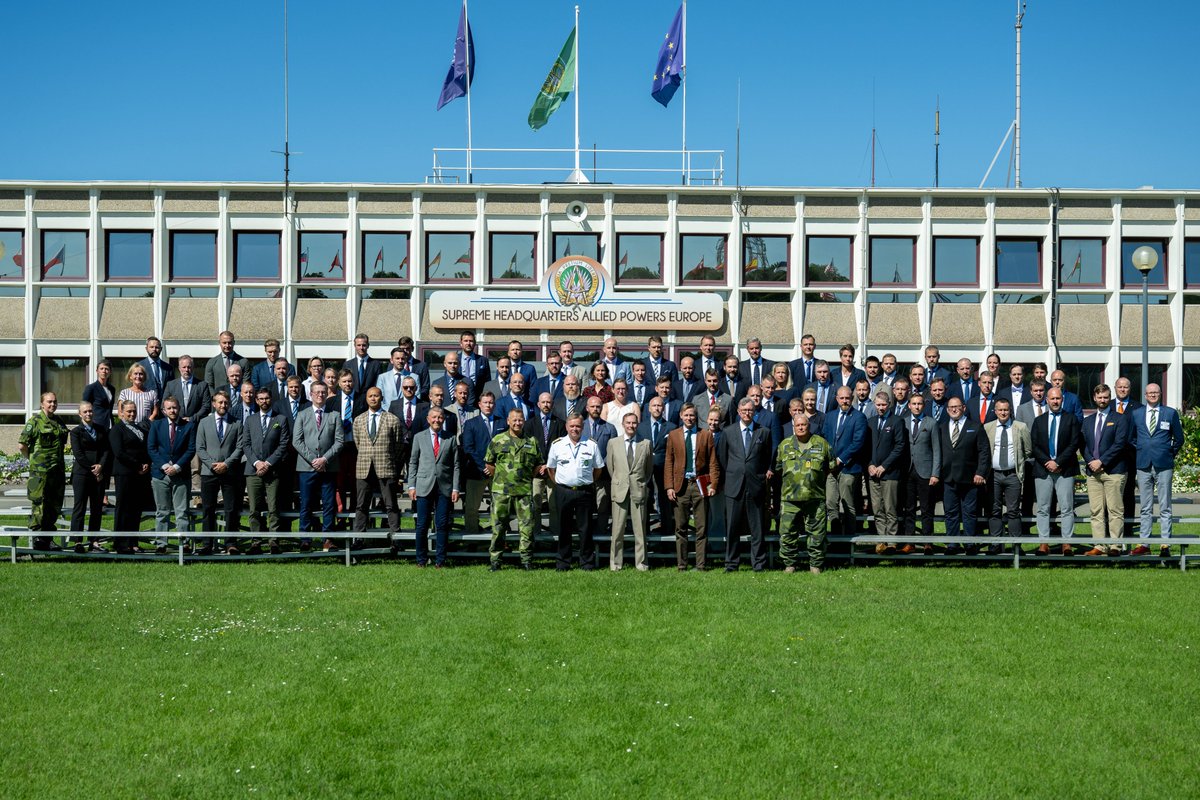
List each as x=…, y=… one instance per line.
x=574, y=296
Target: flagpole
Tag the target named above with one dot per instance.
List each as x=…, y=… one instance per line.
x=575, y=175
x=467, y=50
x=683, y=76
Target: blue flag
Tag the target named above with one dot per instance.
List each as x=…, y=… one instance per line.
x=667, y=75
x=457, y=77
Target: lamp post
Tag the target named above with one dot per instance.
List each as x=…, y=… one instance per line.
x=1144, y=259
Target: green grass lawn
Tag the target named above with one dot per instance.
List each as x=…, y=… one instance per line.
x=285, y=680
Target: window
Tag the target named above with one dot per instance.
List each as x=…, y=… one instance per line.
x=322, y=257
x=12, y=255
x=449, y=257
x=1191, y=386
x=1158, y=374
x=385, y=257
x=1131, y=276
x=955, y=261
x=64, y=255
x=256, y=256
x=512, y=257
x=66, y=377
x=702, y=258
x=829, y=259
x=193, y=256
x=1078, y=299
x=128, y=255
x=1191, y=263
x=892, y=260
x=577, y=244
x=1081, y=379
x=12, y=383
x=1018, y=262
x=1081, y=262
x=765, y=259
x=639, y=258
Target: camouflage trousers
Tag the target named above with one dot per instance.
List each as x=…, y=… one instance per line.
x=504, y=508
x=45, y=499
x=807, y=517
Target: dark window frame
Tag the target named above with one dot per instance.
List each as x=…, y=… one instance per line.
x=108, y=232
x=787, y=280
x=849, y=282
x=1164, y=244
x=470, y=254
x=20, y=277
x=1040, y=241
x=951, y=284
x=320, y=280
x=171, y=276
x=278, y=277
x=407, y=257
x=495, y=281
x=871, y=284
x=1103, y=263
x=684, y=281
x=662, y=257
x=87, y=259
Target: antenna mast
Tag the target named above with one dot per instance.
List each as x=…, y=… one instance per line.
x=1017, y=120
x=937, y=132
x=287, y=151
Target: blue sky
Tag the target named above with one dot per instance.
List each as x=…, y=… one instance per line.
x=174, y=91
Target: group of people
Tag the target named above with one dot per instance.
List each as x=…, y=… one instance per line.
x=728, y=446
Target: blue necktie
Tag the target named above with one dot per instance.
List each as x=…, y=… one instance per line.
x=1053, y=437
x=746, y=439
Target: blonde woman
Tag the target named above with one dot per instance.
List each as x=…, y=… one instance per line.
x=144, y=400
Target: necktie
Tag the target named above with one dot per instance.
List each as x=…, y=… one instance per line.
x=554, y=386
x=546, y=430
x=347, y=406
x=808, y=372
x=157, y=373
x=983, y=403
x=1053, y=436
x=187, y=392
x=591, y=429
x=654, y=432
x=882, y=420
x=1004, y=447
x=1153, y=417
x=1039, y=409
x=295, y=408
x=91, y=432
x=966, y=391
x=821, y=399
x=937, y=411
x=408, y=411
x=689, y=460
x=226, y=364
x=221, y=428
x=754, y=377
x=318, y=413
x=841, y=418
x=1096, y=437
x=362, y=371
x=639, y=394
x=171, y=427
x=374, y=427
x=281, y=390
x=916, y=424
x=655, y=366
x=629, y=453
x=437, y=448
x=954, y=429
x=746, y=439
x=399, y=377
x=1120, y=406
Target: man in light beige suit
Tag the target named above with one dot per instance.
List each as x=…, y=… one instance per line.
x=1010, y=445
x=630, y=464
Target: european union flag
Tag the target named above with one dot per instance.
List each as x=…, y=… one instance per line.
x=667, y=75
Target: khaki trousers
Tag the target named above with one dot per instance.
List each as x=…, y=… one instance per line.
x=639, y=511
x=1106, y=498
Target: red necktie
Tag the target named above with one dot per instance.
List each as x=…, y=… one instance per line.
x=983, y=410
x=172, y=435
x=437, y=448
x=408, y=415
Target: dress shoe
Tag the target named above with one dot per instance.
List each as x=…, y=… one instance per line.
x=1096, y=551
x=587, y=567
x=906, y=549
x=275, y=548
x=995, y=550
x=232, y=551
x=255, y=549
x=643, y=567
x=80, y=548
x=760, y=569
x=160, y=549
x=493, y=567
x=206, y=550
x=681, y=567
x=422, y=564
x=1043, y=550
x=306, y=547
x=972, y=549
x=927, y=550
x=789, y=570
x=880, y=549
x=1116, y=551
x=1067, y=550
x=953, y=550
x=815, y=570
x=1140, y=550
x=327, y=546
x=1164, y=551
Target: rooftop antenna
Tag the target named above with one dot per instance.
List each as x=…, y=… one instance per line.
x=937, y=132
x=738, y=151
x=1017, y=120
x=288, y=204
x=872, y=133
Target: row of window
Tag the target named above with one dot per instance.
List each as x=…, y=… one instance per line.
x=512, y=257
x=67, y=377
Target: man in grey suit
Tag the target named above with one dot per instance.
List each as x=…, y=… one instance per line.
x=712, y=395
x=218, y=446
x=433, y=478
x=195, y=397
x=1010, y=447
x=265, y=439
x=746, y=457
x=925, y=456
x=317, y=438
x=461, y=409
x=630, y=463
x=217, y=368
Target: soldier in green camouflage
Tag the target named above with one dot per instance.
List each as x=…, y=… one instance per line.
x=43, y=441
x=511, y=461
x=804, y=460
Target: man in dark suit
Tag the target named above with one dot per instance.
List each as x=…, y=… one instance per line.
x=244, y=407
x=89, y=474
x=641, y=386
x=935, y=400
x=279, y=380
x=433, y=483
x=452, y=375
x=158, y=372
x=981, y=407
x=1056, y=437
x=754, y=368
x=656, y=364
x=803, y=368
x=437, y=399
x=599, y=431
x=266, y=437
x=1105, y=439
x=687, y=384
x=966, y=465
x=364, y=369
x=408, y=411
x=293, y=400
x=476, y=436
x=847, y=374
x=654, y=428
x=1016, y=391
x=265, y=371
x=543, y=426
x=765, y=418
x=519, y=367
x=216, y=371
x=670, y=407
x=846, y=432
x=1123, y=403
x=933, y=366
x=171, y=444
x=572, y=400
x=825, y=388
x=194, y=396
x=1159, y=438
x=515, y=397
x=552, y=381
x=219, y=447
x=746, y=456
x=474, y=367
x=886, y=465
x=963, y=385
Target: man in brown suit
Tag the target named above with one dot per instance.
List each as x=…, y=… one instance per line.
x=691, y=475
x=380, y=441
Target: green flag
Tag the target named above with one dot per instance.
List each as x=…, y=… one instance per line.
x=559, y=84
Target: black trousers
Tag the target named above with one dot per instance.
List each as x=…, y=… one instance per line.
x=744, y=512
x=89, y=494
x=1006, y=503
x=574, y=509
x=666, y=511
x=917, y=491
x=132, y=493
x=231, y=486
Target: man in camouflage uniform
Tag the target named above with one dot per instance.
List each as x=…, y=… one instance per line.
x=510, y=462
x=804, y=460
x=43, y=442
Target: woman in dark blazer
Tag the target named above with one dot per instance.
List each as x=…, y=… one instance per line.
x=102, y=395
x=131, y=469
